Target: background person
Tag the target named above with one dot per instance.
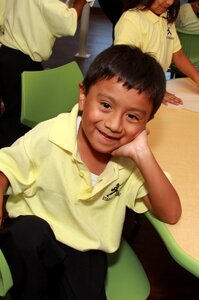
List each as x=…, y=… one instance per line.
x=188, y=19
x=150, y=25
x=28, y=29
x=188, y=16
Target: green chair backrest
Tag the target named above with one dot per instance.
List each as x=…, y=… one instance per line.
x=190, y=44
x=126, y=278
x=49, y=92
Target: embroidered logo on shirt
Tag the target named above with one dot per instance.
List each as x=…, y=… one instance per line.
x=114, y=192
x=169, y=34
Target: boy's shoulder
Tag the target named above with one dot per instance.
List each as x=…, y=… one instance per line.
x=44, y=137
x=43, y=130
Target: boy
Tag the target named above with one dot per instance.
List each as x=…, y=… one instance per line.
x=71, y=178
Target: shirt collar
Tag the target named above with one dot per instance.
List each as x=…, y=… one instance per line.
x=64, y=131
x=153, y=17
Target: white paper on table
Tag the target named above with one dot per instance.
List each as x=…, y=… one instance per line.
x=187, y=90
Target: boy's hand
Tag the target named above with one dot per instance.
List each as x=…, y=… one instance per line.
x=137, y=145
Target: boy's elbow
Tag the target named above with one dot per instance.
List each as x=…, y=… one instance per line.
x=174, y=216
x=171, y=216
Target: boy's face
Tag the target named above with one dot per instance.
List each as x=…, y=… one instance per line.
x=112, y=115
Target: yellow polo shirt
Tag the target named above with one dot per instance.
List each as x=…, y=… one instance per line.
x=32, y=26
x=151, y=33
x=48, y=179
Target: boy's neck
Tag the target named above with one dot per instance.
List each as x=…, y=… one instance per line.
x=94, y=160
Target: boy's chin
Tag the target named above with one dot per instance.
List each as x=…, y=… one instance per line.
x=103, y=151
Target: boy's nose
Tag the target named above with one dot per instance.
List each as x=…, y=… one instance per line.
x=114, y=124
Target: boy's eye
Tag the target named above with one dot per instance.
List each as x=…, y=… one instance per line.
x=133, y=117
x=106, y=105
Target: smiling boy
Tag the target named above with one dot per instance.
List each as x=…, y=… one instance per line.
x=71, y=178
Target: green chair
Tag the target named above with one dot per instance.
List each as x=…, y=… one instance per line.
x=49, y=92
x=5, y=277
x=126, y=278
x=190, y=45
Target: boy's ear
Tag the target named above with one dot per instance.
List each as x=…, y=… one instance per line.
x=82, y=97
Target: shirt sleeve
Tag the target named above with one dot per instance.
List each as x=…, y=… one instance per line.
x=135, y=191
x=127, y=29
x=136, y=202
x=17, y=167
x=61, y=19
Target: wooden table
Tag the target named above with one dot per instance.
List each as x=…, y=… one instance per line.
x=174, y=139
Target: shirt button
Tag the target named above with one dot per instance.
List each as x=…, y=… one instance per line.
x=81, y=174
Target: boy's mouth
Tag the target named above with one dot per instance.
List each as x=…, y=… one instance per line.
x=107, y=136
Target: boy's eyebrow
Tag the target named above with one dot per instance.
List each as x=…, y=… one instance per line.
x=131, y=108
x=107, y=96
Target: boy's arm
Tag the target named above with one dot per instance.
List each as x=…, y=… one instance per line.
x=162, y=198
x=4, y=183
x=185, y=66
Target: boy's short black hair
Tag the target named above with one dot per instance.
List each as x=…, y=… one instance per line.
x=136, y=69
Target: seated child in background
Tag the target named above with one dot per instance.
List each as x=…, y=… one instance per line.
x=71, y=178
x=150, y=25
x=188, y=18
